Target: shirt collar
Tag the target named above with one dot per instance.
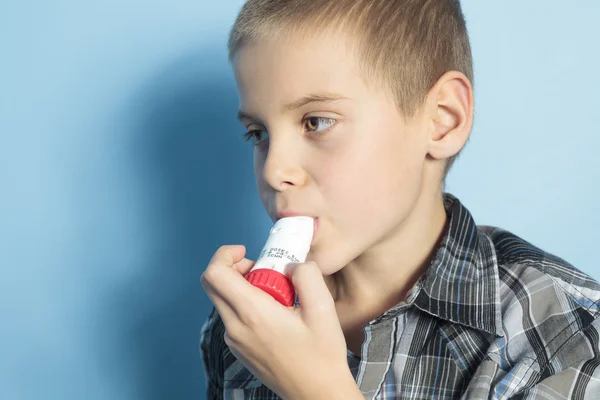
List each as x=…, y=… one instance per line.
x=462, y=284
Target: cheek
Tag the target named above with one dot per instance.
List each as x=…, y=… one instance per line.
x=354, y=184
x=374, y=182
x=261, y=185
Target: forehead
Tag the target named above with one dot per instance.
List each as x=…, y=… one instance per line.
x=275, y=71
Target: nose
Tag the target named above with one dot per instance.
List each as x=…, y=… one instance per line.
x=282, y=167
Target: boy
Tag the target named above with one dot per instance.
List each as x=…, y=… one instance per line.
x=356, y=110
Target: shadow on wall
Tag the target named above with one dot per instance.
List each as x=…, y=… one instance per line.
x=188, y=144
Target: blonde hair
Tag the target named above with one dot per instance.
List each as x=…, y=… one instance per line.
x=402, y=45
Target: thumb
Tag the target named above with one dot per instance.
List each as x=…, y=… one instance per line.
x=316, y=303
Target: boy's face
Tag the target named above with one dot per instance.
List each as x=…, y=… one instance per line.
x=353, y=163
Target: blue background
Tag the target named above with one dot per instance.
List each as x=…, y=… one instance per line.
x=122, y=170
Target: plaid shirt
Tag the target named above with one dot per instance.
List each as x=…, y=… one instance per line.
x=493, y=317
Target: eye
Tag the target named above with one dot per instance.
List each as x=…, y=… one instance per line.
x=316, y=125
x=313, y=123
x=257, y=135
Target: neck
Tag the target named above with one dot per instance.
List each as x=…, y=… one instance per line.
x=380, y=278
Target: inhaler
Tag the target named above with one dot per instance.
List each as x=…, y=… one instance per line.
x=289, y=241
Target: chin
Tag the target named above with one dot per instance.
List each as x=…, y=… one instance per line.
x=328, y=262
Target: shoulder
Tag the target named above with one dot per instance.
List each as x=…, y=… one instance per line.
x=524, y=269
x=548, y=306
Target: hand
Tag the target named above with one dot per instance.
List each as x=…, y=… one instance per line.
x=297, y=352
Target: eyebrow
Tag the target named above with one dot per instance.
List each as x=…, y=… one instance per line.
x=317, y=98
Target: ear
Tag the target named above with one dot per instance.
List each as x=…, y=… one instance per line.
x=451, y=101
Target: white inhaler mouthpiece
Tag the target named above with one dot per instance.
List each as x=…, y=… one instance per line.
x=289, y=241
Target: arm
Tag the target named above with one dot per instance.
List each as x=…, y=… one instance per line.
x=343, y=388
x=348, y=390
x=211, y=349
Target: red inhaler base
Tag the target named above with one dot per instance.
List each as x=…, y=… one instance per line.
x=274, y=283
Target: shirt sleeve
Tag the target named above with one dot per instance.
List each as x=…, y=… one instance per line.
x=573, y=373
x=211, y=349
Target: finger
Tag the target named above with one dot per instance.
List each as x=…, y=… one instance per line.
x=226, y=265
x=244, y=266
x=228, y=304
x=228, y=255
x=316, y=303
x=233, y=255
x=227, y=313
x=242, y=306
x=220, y=270
x=223, y=276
